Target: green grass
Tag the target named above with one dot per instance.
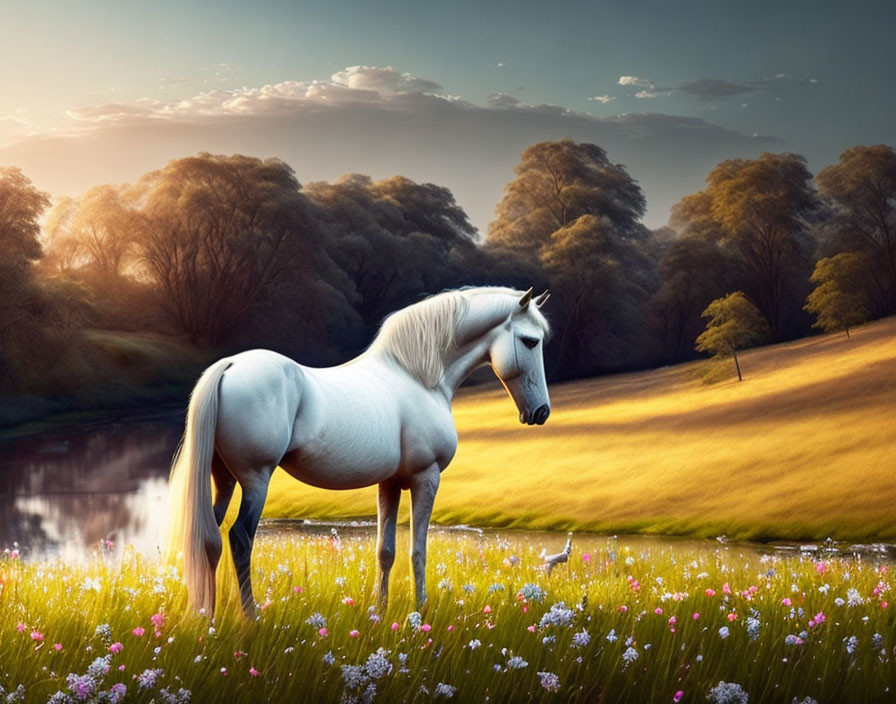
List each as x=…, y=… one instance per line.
x=474, y=586
x=803, y=448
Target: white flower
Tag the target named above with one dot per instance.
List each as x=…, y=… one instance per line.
x=611, y=636
x=444, y=690
x=723, y=632
x=728, y=693
x=473, y=644
x=629, y=656
x=549, y=681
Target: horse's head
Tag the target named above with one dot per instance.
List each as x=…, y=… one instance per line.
x=518, y=360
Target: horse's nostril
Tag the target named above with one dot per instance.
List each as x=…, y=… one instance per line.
x=541, y=414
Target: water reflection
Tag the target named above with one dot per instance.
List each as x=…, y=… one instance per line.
x=67, y=488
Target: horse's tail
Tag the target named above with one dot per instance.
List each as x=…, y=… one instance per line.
x=192, y=528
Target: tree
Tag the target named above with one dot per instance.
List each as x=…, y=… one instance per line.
x=862, y=186
x=838, y=300
x=224, y=236
x=555, y=184
x=762, y=208
x=733, y=323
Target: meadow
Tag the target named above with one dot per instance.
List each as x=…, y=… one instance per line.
x=617, y=623
x=802, y=448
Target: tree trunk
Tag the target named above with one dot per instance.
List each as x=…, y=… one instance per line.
x=847, y=332
x=737, y=365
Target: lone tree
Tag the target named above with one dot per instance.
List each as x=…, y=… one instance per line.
x=733, y=324
x=838, y=300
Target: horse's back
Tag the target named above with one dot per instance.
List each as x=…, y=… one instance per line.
x=258, y=399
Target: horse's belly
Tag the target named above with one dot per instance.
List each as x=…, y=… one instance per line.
x=340, y=470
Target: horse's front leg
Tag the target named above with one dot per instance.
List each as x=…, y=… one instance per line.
x=424, y=486
x=387, y=518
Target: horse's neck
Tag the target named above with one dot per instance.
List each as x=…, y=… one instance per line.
x=471, y=352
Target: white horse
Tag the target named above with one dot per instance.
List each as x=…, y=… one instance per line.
x=382, y=418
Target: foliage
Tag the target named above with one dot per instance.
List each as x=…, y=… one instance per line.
x=838, y=298
x=862, y=186
x=733, y=323
x=618, y=623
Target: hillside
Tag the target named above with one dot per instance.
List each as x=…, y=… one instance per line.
x=803, y=448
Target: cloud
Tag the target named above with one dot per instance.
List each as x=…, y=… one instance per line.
x=602, y=98
x=636, y=81
x=715, y=89
x=375, y=121
x=386, y=81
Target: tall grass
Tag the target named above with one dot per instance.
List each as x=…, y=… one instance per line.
x=614, y=624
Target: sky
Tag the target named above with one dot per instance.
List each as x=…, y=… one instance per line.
x=450, y=93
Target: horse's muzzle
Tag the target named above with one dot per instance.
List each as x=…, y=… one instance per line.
x=538, y=417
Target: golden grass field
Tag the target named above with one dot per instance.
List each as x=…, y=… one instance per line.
x=803, y=448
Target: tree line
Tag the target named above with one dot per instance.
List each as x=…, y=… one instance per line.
x=232, y=252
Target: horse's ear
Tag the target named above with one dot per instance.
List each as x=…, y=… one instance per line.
x=542, y=299
x=526, y=300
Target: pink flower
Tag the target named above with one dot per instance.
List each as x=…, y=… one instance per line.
x=239, y=654
x=121, y=668
x=109, y=545
x=658, y=611
x=138, y=631
x=224, y=671
x=116, y=647
x=710, y=593
x=634, y=585
x=36, y=635
x=323, y=632
x=696, y=616
x=677, y=596
x=58, y=646
x=531, y=628
x=623, y=609
x=821, y=567
x=726, y=589
x=450, y=628
x=348, y=601
x=426, y=628
x=354, y=633
x=395, y=626
x=678, y=695
x=486, y=609
x=586, y=557
x=786, y=601
x=21, y=627
x=883, y=604
x=732, y=616
x=297, y=590
x=254, y=672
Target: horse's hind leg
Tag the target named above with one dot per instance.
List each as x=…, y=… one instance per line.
x=387, y=517
x=242, y=533
x=224, y=485
x=424, y=486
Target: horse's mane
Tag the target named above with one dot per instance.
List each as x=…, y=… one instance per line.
x=418, y=336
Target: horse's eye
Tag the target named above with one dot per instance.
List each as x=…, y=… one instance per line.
x=530, y=342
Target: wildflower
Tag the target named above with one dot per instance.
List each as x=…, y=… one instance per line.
x=415, y=619
x=158, y=620
x=147, y=678
x=104, y=631
x=297, y=590
x=623, y=609
x=395, y=625
x=586, y=557
x=793, y=640
x=316, y=620
x=611, y=636
x=851, y=644
x=329, y=659
x=425, y=627
x=732, y=616
x=723, y=632
x=254, y=672
x=322, y=632
x=83, y=687
x=116, y=647
x=817, y=620
x=516, y=663
x=469, y=588
x=182, y=696
x=118, y=690
x=348, y=601
x=710, y=593
x=786, y=601
x=883, y=604
x=21, y=627
x=629, y=656
x=677, y=697
x=581, y=639
x=877, y=640
x=354, y=633
x=486, y=609
x=378, y=665
x=473, y=644
x=658, y=611
x=557, y=615
x=531, y=592
x=138, y=631
x=548, y=640
x=726, y=589
x=373, y=615
x=444, y=690
x=496, y=587
x=59, y=698
x=353, y=676
x=696, y=616
x=727, y=693
x=99, y=668
x=16, y=696
x=224, y=671
x=549, y=681
x=806, y=700
x=839, y=602
x=37, y=636
x=752, y=624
